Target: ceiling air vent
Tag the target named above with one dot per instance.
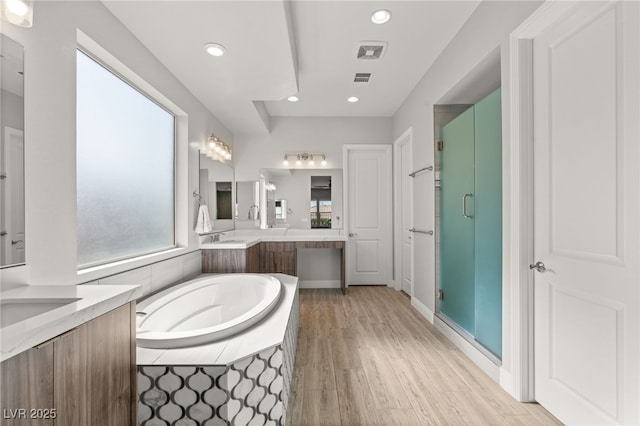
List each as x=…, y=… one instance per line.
x=362, y=78
x=371, y=49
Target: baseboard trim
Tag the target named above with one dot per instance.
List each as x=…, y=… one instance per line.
x=506, y=381
x=319, y=284
x=478, y=358
x=420, y=307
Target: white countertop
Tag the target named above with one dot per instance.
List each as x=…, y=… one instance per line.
x=242, y=239
x=265, y=334
x=93, y=301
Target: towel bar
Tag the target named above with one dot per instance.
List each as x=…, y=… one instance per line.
x=420, y=231
x=420, y=170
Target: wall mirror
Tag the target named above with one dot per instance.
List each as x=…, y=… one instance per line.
x=299, y=192
x=216, y=192
x=12, y=221
x=281, y=210
x=247, y=201
x=320, y=206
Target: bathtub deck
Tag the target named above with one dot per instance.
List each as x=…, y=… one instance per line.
x=267, y=333
x=368, y=358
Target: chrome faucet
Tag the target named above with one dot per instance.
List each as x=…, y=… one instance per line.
x=215, y=237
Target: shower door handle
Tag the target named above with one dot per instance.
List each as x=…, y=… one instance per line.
x=464, y=206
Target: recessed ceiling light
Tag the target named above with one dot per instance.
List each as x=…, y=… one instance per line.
x=380, y=16
x=214, y=49
x=17, y=7
x=293, y=99
x=352, y=99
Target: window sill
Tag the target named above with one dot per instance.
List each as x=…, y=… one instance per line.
x=134, y=262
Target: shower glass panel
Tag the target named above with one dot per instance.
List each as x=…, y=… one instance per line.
x=471, y=223
x=456, y=245
x=488, y=223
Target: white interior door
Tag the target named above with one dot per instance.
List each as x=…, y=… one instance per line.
x=12, y=182
x=368, y=200
x=406, y=215
x=586, y=162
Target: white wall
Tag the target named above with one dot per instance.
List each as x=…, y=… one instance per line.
x=311, y=134
x=50, y=68
x=486, y=30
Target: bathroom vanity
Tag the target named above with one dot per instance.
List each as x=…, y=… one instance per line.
x=273, y=251
x=69, y=355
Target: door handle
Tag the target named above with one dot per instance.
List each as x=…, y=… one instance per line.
x=13, y=243
x=464, y=206
x=538, y=266
x=351, y=234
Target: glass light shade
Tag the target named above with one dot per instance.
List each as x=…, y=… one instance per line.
x=18, y=12
x=380, y=16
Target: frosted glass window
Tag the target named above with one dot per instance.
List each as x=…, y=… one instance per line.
x=125, y=168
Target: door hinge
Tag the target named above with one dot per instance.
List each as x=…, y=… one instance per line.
x=440, y=145
x=440, y=295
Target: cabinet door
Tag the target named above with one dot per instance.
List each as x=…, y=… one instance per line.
x=283, y=262
x=224, y=261
x=94, y=366
x=253, y=259
x=279, y=257
x=27, y=384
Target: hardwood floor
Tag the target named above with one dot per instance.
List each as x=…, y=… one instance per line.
x=368, y=358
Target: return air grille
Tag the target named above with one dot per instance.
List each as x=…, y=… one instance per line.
x=362, y=77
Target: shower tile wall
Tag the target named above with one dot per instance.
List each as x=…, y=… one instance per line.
x=158, y=275
x=254, y=390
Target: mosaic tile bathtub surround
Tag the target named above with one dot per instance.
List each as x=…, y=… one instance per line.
x=251, y=391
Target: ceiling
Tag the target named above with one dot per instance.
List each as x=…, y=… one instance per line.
x=277, y=48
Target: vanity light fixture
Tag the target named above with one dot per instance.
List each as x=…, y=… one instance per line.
x=217, y=149
x=353, y=99
x=18, y=12
x=214, y=49
x=304, y=159
x=380, y=16
x=293, y=98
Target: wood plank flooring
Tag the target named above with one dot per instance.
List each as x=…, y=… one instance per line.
x=368, y=358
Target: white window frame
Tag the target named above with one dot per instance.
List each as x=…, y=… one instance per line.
x=96, y=52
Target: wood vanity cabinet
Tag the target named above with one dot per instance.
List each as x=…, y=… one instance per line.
x=27, y=383
x=88, y=375
x=278, y=257
x=224, y=261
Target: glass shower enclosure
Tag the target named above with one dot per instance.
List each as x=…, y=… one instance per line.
x=470, y=217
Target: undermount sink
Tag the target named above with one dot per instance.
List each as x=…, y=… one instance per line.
x=16, y=310
x=229, y=242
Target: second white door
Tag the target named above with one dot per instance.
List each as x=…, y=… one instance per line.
x=369, y=205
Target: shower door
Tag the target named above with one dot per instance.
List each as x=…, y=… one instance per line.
x=457, y=221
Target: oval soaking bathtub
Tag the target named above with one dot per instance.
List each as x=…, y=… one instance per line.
x=205, y=309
